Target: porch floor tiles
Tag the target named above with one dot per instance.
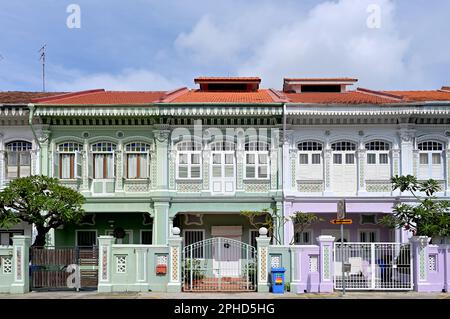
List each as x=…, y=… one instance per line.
x=244, y=295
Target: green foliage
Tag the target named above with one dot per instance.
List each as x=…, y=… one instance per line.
x=41, y=201
x=429, y=217
x=195, y=266
x=264, y=218
x=302, y=221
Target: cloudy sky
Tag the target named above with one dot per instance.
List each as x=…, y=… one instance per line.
x=164, y=44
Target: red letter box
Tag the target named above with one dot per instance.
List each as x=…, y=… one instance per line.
x=161, y=269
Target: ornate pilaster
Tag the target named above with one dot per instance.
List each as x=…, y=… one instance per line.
x=415, y=162
x=85, y=167
x=161, y=142
x=327, y=175
x=240, y=167
x=395, y=154
x=119, y=167
x=45, y=152
x=172, y=169
x=447, y=157
x=361, y=155
x=273, y=167
x=2, y=161
x=406, y=146
x=293, y=168
x=206, y=158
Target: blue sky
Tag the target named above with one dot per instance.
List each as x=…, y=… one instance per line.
x=150, y=45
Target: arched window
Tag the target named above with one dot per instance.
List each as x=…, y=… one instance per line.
x=310, y=160
x=18, y=159
x=344, y=152
x=378, y=163
x=103, y=160
x=430, y=160
x=256, y=160
x=68, y=162
x=137, y=160
x=189, y=160
x=222, y=146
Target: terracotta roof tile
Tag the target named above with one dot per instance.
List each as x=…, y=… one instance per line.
x=105, y=97
x=20, y=97
x=196, y=96
x=348, y=97
x=422, y=96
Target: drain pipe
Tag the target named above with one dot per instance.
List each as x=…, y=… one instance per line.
x=32, y=108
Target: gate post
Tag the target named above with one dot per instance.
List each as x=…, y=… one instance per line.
x=105, y=263
x=420, y=260
x=262, y=243
x=175, y=258
x=326, y=260
x=21, y=261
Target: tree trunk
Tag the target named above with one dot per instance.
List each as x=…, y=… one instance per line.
x=40, y=237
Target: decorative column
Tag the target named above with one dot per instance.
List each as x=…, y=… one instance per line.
x=45, y=153
x=447, y=158
x=262, y=244
x=273, y=166
x=287, y=160
x=327, y=176
x=289, y=225
x=175, y=255
x=172, y=168
x=161, y=223
x=395, y=153
x=105, y=263
x=119, y=168
x=407, y=135
x=419, y=248
x=240, y=166
x=292, y=173
x=206, y=157
x=361, y=156
x=2, y=161
x=85, y=168
x=325, y=261
x=21, y=249
x=161, y=139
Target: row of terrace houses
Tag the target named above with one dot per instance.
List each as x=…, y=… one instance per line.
x=195, y=158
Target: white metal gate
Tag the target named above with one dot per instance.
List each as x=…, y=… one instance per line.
x=373, y=266
x=219, y=264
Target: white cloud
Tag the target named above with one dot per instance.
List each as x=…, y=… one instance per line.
x=332, y=39
x=128, y=79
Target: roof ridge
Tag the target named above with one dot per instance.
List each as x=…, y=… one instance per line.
x=277, y=95
x=66, y=95
x=172, y=95
x=379, y=93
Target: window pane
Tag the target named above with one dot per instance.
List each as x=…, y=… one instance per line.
x=195, y=159
x=229, y=158
x=384, y=159
x=250, y=158
x=86, y=238
x=183, y=159
x=132, y=165
x=371, y=159
x=423, y=158
x=229, y=171
x=12, y=158
x=315, y=159
x=195, y=171
x=182, y=171
x=65, y=166
x=337, y=158
x=217, y=171
x=25, y=159
x=98, y=165
x=262, y=171
x=217, y=158
x=349, y=158
x=436, y=158
x=250, y=171
x=303, y=158
x=109, y=166
x=263, y=159
x=143, y=168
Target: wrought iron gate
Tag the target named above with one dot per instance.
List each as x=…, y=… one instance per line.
x=373, y=266
x=49, y=267
x=219, y=264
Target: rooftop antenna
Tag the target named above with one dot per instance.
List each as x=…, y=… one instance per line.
x=42, y=59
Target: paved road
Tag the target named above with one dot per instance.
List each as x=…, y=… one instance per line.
x=157, y=295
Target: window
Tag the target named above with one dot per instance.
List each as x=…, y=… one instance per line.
x=378, y=167
x=303, y=238
x=310, y=160
x=430, y=160
x=103, y=160
x=18, y=159
x=337, y=158
x=86, y=238
x=146, y=237
x=189, y=160
x=257, y=160
x=368, y=236
x=191, y=237
x=137, y=160
x=343, y=151
x=68, y=164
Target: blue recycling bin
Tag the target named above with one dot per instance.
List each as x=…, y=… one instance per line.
x=278, y=280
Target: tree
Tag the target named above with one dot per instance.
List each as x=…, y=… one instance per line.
x=302, y=221
x=428, y=217
x=41, y=201
x=263, y=218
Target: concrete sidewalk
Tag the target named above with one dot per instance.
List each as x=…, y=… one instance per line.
x=248, y=295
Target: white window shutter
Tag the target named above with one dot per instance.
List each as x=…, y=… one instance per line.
x=78, y=164
x=56, y=164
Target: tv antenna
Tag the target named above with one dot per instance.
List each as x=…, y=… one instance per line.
x=42, y=59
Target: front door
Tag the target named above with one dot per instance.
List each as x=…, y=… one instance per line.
x=223, y=172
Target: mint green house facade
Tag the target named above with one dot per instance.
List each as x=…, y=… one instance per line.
x=147, y=167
